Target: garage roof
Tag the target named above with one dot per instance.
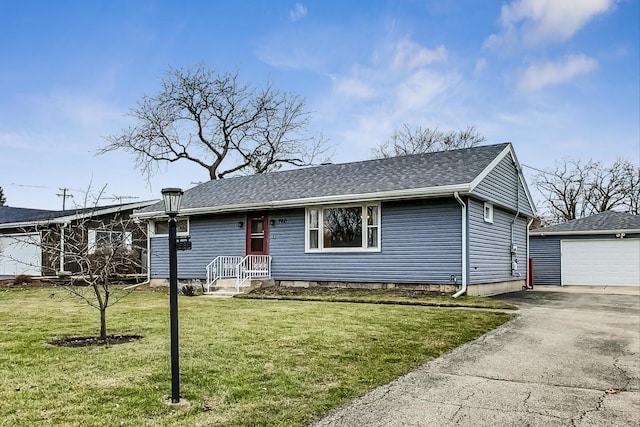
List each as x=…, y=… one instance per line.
x=604, y=222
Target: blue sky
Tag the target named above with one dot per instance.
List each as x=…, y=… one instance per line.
x=559, y=79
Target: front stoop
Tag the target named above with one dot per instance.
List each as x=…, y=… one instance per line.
x=226, y=288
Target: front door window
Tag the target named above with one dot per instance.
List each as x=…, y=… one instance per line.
x=257, y=234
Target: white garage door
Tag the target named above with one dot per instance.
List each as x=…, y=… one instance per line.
x=20, y=254
x=601, y=262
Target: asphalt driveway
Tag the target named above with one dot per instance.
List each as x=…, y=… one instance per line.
x=566, y=359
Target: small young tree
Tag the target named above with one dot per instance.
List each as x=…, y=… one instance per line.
x=100, y=253
x=3, y=199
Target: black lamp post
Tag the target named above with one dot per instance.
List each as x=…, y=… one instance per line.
x=172, y=198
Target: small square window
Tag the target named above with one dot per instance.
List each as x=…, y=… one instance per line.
x=488, y=212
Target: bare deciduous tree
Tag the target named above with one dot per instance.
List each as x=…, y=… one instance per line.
x=414, y=140
x=100, y=253
x=573, y=189
x=217, y=122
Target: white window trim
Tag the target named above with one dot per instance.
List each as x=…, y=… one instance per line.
x=487, y=218
x=320, y=229
x=152, y=231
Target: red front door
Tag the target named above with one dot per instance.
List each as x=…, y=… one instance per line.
x=257, y=234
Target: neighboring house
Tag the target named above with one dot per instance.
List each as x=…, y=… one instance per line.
x=456, y=218
x=25, y=232
x=603, y=249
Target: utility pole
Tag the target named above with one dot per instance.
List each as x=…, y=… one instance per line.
x=64, y=196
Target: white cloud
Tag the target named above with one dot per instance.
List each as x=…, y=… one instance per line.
x=410, y=55
x=298, y=12
x=403, y=82
x=539, y=75
x=76, y=110
x=354, y=87
x=481, y=65
x=532, y=22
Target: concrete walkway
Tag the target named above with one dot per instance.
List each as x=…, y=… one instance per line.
x=566, y=359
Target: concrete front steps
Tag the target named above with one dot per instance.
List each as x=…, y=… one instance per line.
x=226, y=288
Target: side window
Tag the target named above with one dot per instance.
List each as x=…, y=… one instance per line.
x=488, y=212
x=161, y=227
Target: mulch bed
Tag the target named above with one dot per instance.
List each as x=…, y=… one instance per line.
x=34, y=283
x=321, y=290
x=93, y=341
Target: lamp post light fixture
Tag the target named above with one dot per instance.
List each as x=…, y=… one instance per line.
x=172, y=198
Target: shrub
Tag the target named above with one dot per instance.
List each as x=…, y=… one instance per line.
x=188, y=290
x=22, y=279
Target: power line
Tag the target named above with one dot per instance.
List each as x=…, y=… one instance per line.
x=25, y=186
x=535, y=169
x=120, y=198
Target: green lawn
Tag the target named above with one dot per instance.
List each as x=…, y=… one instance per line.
x=243, y=362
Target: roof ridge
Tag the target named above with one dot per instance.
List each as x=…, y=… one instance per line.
x=360, y=162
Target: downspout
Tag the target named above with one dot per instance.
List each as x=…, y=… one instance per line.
x=61, y=264
x=149, y=228
x=528, y=284
x=463, y=290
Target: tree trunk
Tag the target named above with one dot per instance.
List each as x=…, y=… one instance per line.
x=103, y=324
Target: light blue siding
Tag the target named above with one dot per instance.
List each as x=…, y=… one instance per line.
x=421, y=243
x=490, y=245
x=503, y=187
x=545, y=252
x=211, y=236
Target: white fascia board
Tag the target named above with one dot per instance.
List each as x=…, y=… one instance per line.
x=103, y=211
x=507, y=150
x=412, y=193
x=523, y=181
x=18, y=225
x=67, y=218
x=582, y=233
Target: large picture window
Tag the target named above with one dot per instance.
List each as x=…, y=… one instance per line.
x=343, y=228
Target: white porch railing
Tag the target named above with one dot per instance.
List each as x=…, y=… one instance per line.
x=252, y=266
x=242, y=268
x=222, y=267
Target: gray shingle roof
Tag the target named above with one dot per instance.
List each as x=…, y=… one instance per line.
x=10, y=214
x=445, y=168
x=605, y=221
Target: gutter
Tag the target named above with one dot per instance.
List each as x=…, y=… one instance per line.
x=463, y=290
x=413, y=193
x=580, y=233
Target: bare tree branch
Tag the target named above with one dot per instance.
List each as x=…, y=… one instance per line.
x=99, y=252
x=573, y=189
x=211, y=119
x=414, y=140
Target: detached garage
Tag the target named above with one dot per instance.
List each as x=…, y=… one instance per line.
x=600, y=250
